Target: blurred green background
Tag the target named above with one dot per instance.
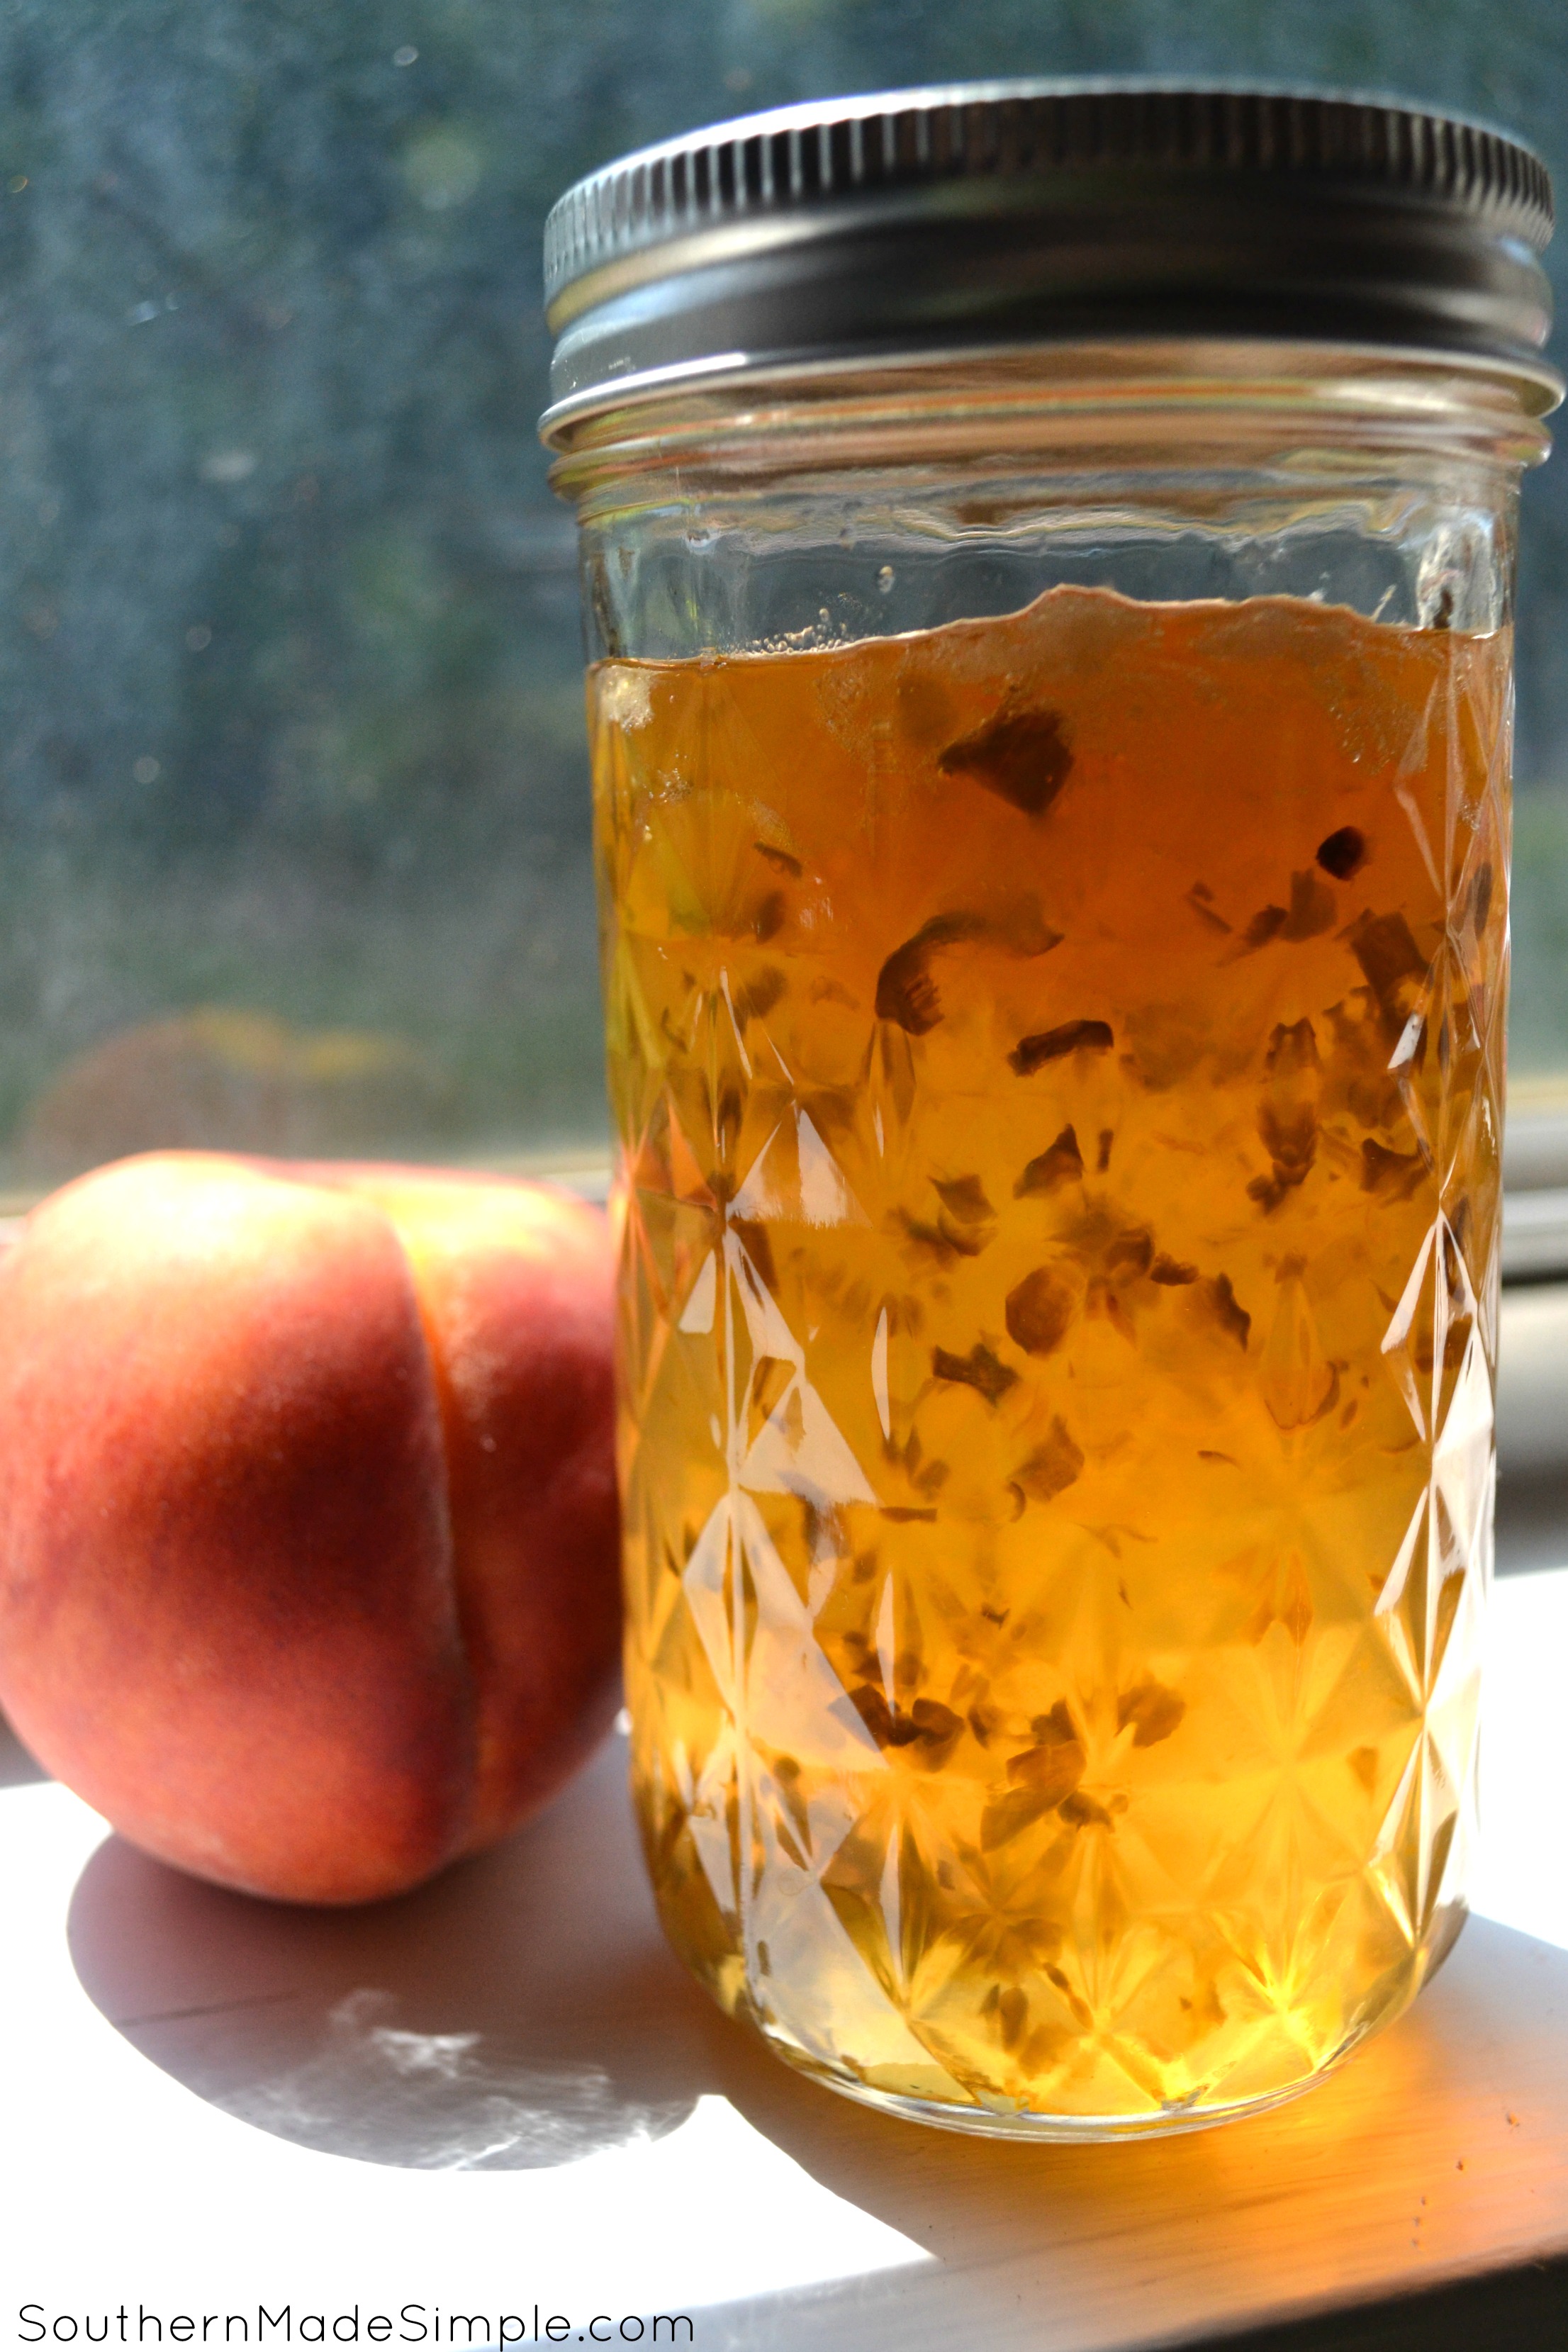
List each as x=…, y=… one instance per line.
x=293, y=815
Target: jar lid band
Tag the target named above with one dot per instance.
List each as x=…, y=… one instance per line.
x=1024, y=211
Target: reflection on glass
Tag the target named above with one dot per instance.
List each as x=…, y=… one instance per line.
x=1061, y=1140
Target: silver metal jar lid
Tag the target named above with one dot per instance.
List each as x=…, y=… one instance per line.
x=1012, y=212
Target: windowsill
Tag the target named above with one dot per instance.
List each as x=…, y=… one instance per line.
x=212, y=2101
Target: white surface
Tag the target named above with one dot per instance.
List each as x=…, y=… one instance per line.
x=132, y=2189
x=1522, y=1879
x=562, y=2122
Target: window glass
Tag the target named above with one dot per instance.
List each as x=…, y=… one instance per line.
x=292, y=780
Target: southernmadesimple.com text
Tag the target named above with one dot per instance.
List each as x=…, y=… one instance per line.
x=414, y=2323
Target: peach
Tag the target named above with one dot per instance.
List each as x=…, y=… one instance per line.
x=308, y=1520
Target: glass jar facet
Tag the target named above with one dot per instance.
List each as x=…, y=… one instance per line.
x=1056, y=964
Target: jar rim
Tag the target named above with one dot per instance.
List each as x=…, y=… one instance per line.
x=1164, y=396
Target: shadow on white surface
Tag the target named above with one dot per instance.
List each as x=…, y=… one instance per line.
x=17, y=1769
x=522, y=2016
x=523, y=2010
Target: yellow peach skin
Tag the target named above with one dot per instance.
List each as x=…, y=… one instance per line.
x=308, y=1522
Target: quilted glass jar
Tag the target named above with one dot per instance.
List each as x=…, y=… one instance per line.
x=1052, y=812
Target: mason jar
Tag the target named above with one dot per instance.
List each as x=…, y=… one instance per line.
x=1047, y=556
